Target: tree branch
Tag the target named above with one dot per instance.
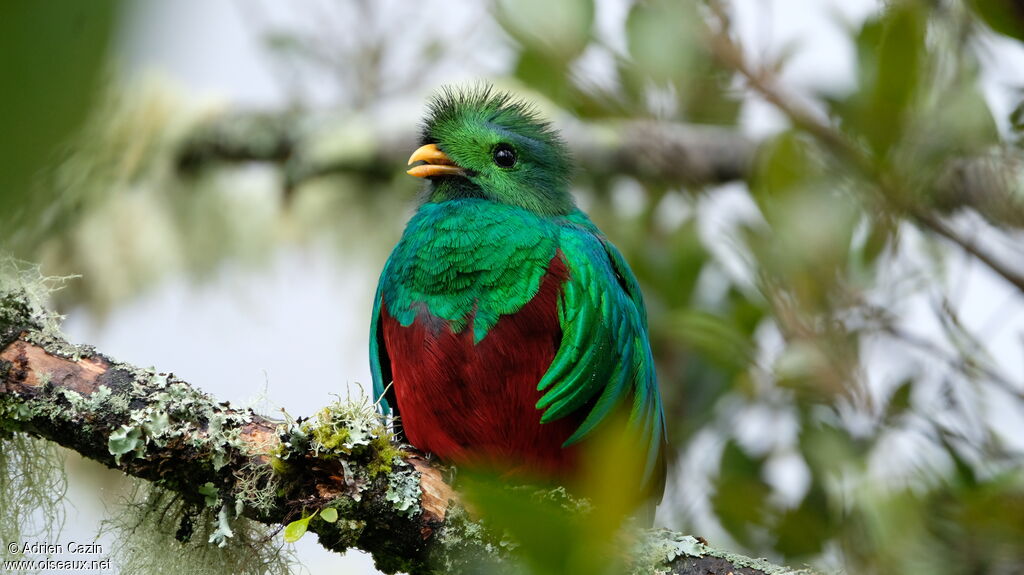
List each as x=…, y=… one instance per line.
x=311, y=146
x=391, y=501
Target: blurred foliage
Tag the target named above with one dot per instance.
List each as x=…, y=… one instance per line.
x=826, y=401
x=581, y=530
x=52, y=59
x=826, y=265
x=1004, y=16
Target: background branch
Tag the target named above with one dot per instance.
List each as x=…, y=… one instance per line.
x=311, y=146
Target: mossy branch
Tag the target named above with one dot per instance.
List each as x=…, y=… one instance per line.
x=389, y=500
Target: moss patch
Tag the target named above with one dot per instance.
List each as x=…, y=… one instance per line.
x=353, y=428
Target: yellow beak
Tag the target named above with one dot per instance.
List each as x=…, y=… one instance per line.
x=437, y=163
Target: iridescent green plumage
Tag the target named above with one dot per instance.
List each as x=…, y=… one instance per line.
x=475, y=256
x=469, y=258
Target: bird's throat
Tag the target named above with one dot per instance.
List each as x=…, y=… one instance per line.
x=445, y=188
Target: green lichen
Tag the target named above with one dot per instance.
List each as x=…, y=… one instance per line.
x=24, y=292
x=561, y=497
x=404, y=491
x=14, y=312
x=56, y=345
x=158, y=532
x=257, y=486
x=141, y=410
x=223, y=533
x=349, y=530
x=660, y=547
x=761, y=564
x=170, y=409
x=350, y=441
x=124, y=440
x=31, y=480
x=467, y=545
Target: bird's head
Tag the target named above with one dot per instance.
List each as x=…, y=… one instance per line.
x=480, y=143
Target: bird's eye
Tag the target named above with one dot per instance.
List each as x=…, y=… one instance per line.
x=504, y=156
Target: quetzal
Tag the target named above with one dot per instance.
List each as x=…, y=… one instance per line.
x=506, y=327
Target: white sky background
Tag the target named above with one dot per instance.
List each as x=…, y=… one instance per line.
x=234, y=336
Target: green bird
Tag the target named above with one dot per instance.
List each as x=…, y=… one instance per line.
x=506, y=328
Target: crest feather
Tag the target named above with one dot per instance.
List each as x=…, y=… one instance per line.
x=489, y=105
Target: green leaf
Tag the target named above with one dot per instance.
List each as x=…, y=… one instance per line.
x=296, y=529
x=800, y=363
x=713, y=99
x=880, y=232
x=1017, y=121
x=899, y=401
x=740, y=499
x=558, y=30
x=329, y=514
x=1004, y=16
x=663, y=38
x=963, y=471
x=714, y=337
x=783, y=164
x=828, y=449
x=613, y=468
x=968, y=118
x=553, y=532
x=669, y=266
x=666, y=46
x=747, y=314
x=546, y=75
x=895, y=47
x=545, y=534
x=959, y=123
x=811, y=223
x=803, y=531
x=52, y=56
